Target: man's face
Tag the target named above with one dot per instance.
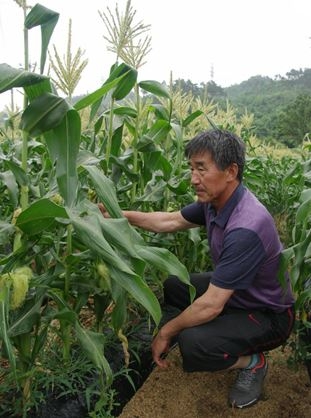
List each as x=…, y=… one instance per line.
x=210, y=183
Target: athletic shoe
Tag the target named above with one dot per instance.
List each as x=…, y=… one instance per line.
x=247, y=388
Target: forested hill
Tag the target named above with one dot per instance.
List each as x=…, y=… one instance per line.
x=281, y=106
x=269, y=98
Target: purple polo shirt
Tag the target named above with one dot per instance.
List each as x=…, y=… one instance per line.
x=245, y=250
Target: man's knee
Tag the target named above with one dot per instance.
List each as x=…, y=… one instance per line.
x=202, y=352
x=195, y=350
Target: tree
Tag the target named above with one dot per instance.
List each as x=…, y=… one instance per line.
x=294, y=74
x=294, y=121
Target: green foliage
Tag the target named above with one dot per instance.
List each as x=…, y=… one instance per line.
x=297, y=259
x=278, y=183
x=78, y=378
x=295, y=121
x=129, y=155
x=47, y=20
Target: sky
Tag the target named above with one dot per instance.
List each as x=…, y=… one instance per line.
x=227, y=41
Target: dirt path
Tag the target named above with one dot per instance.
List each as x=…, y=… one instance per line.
x=173, y=393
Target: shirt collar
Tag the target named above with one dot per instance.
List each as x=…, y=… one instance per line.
x=222, y=217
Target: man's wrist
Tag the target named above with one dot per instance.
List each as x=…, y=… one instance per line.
x=164, y=334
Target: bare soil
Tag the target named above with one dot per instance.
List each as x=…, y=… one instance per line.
x=172, y=393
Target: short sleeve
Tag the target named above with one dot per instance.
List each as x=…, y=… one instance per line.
x=194, y=213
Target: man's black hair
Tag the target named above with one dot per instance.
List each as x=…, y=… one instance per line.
x=224, y=147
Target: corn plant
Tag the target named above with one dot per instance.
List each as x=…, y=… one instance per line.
x=129, y=156
x=74, y=254
x=278, y=182
x=297, y=259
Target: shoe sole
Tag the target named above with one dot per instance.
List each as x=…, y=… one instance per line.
x=251, y=403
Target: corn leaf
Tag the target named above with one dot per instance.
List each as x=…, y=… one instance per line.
x=89, y=232
x=44, y=113
x=6, y=230
x=8, y=179
x=93, y=345
x=192, y=117
x=47, y=19
x=96, y=95
x=39, y=216
x=155, y=88
x=4, y=335
x=105, y=190
x=126, y=83
x=33, y=84
x=19, y=173
x=303, y=211
x=139, y=290
x=166, y=261
x=29, y=316
x=63, y=143
x=159, y=131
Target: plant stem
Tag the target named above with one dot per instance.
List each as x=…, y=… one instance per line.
x=68, y=270
x=134, y=145
x=24, y=189
x=110, y=132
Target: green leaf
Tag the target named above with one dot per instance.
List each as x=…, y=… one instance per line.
x=105, y=190
x=125, y=111
x=120, y=234
x=119, y=313
x=89, y=232
x=63, y=143
x=34, y=84
x=158, y=131
x=160, y=111
x=6, y=230
x=166, y=261
x=153, y=192
x=97, y=94
x=117, y=141
x=304, y=211
x=86, y=157
x=19, y=173
x=139, y=290
x=285, y=259
x=192, y=117
x=44, y=113
x=303, y=298
x=155, y=88
x=296, y=272
x=29, y=316
x=4, y=318
x=93, y=345
x=125, y=84
x=179, y=186
x=39, y=216
x=47, y=19
x=66, y=315
x=9, y=181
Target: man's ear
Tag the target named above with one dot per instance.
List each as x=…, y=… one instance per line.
x=232, y=171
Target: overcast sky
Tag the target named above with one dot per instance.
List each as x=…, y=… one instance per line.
x=237, y=38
